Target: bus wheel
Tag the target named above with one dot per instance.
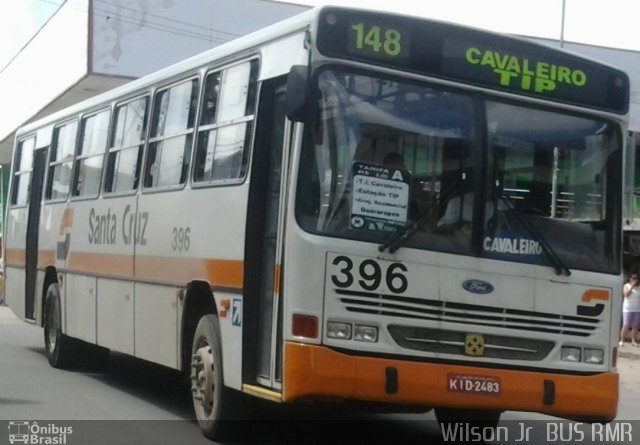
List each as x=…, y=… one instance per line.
x=214, y=404
x=474, y=418
x=58, y=347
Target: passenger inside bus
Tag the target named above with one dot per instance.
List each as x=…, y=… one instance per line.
x=392, y=148
x=459, y=208
x=394, y=160
x=378, y=147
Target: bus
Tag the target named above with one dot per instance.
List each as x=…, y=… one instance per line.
x=350, y=205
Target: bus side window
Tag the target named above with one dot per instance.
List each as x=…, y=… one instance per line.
x=173, y=121
x=94, y=132
x=22, y=172
x=226, y=124
x=61, y=161
x=127, y=140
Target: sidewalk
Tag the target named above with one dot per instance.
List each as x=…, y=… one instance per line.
x=628, y=351
x=7, y=316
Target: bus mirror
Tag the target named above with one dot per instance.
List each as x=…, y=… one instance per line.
x=298, y=96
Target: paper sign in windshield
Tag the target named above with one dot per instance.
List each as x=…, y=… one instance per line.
x=380, y=198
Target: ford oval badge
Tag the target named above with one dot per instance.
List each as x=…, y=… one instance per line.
x=477, y=286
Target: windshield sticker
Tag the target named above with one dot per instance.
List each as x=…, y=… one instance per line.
x=380, y=198
x=505, y=243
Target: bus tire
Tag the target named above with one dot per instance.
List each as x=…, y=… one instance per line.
x=59, y=348
x=215, y=406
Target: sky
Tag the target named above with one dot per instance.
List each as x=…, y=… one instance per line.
x=611, y=23
x=19, y=21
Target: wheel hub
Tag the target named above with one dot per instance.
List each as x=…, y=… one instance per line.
x=52, y=326
x=202, y=378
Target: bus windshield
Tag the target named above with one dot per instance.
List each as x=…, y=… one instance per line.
x=439, y=169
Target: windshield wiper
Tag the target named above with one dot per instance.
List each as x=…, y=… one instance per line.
x=558, y=265
x=399, y=239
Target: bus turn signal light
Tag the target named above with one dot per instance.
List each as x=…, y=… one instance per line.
x=305, y=326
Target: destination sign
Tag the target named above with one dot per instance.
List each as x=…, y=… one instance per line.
x=472, y=56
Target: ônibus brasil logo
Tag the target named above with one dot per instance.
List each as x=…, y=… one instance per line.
x=32, y=433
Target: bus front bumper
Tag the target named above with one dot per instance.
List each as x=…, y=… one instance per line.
x=312, y=371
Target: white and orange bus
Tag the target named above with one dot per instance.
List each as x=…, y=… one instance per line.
x=348, y=205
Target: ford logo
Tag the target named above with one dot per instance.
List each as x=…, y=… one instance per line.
x=477, y=286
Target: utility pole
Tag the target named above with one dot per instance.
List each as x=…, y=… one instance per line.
x=562, y=24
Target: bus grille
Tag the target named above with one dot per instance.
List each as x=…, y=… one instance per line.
x=467, y=314
x=453, y=342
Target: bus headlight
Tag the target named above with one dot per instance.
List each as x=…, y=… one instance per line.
x=594, y=356
x=365, y=333
x=571, y=354
x=339, y=330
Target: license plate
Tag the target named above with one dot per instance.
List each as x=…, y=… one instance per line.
x=473, y=384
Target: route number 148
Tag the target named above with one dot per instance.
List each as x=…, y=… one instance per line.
x=378, y=39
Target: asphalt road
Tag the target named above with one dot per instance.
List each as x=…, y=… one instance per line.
x=134, y=402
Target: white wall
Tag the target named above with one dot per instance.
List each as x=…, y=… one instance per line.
x=134, y=38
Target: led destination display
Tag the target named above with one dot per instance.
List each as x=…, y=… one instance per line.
x=472, y=56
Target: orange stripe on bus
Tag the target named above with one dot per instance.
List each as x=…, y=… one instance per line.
x=228, y=273
x=225, y=272
x=317, y=371
x=182, y=270
x=46, y=258
x=276, y=279
x=171, y=269
x=15, y=257
x=595, y=294
x=101, y=263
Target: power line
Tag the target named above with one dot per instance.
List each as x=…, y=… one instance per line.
x=179, y=22
x=23, y=47
x=181, y=30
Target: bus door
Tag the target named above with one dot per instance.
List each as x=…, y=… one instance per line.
x=262, y=331
x=33, y=223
